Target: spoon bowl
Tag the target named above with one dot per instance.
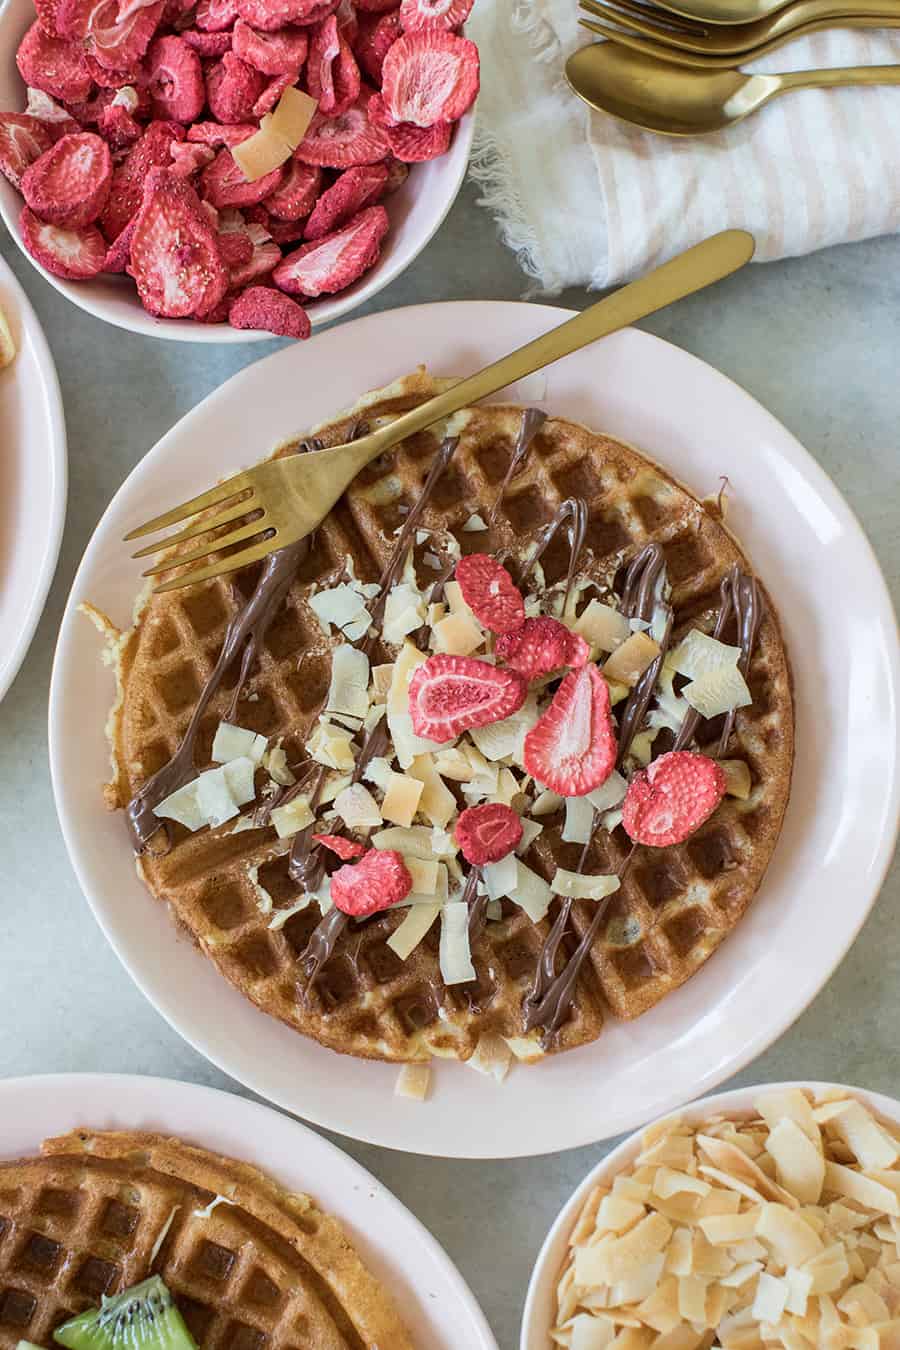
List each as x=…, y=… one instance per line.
x=675, y=100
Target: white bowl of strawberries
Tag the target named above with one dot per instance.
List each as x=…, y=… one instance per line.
x=226, y=170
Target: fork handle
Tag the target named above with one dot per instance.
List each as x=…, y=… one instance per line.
x=690, y=271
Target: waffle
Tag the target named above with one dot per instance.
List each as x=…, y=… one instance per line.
x=676, y=905
x=98, y=1212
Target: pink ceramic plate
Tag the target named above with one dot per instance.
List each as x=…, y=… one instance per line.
x=32, y=478
x=434, y=1300
x=840, y=825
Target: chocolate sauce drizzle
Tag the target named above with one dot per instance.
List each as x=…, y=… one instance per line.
x=532, y=421
x=549, y=1000
x=573, y=514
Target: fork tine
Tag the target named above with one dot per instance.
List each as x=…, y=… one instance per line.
x=243, y=508
x=256, y=527
x=642, y=19
x=220, y=493
x=242, y=558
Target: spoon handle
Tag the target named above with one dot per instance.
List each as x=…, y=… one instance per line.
x=833, y=79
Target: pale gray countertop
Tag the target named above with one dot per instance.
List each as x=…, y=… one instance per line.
x=816, y=339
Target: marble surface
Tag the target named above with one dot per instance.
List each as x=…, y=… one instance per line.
x=815, y=339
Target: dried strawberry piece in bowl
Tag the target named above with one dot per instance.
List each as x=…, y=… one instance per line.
x=260, y=307
x=223, y=183
x=70, y=182
x=126, y=191
x=116, y=38
x=377, y=34
x=23, y=139
x=430, y=76
x=671, y=798
x=448, y=14
x=451, y=694
x=341, y=142
x=416, y=145
x=378, y=881
x=174, y=257
x=332, y=75
x=280, y=53
x=336, y=261
x=571, y=749
x=175, y=80
x=55, y=65
x=75, y=255
x=232, y=88
x=355, y=189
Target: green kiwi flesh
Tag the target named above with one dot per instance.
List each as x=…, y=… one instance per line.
x=141, y=1318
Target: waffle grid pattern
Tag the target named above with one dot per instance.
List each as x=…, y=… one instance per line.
x=76, y=1227
x=673, y=909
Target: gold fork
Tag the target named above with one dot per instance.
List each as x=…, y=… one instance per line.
x=717, y=46
x=287, y=498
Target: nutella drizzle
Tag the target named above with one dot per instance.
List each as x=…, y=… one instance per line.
x=644, y=581
x=532, y=421
x=573, y=513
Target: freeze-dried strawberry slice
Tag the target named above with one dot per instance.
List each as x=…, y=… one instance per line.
x=344, y=848
x=213, y=133
x=280, y=53
x=332, y=75
x=266, y=256
x=377, y=34
x=259, y=307
x=375, y=6
x=296, y=194
x=114, y=79
x=379, y=880
x=174, y=258
x=415, y=145
x=341, y=142
x=272, y=93
x=118, y=255
x=434, y=13
x=115, y=42
x=487, y=833
x=353, y=190
x=189, y=157
x=118, y=128
x=541, y=645
x=571, y=749
x=223, y=182
x=450, y=694
x=215, y=16
x=46, y=16
x=232, y=88
x=208, y=46
x=333, y=263
x=671, y=798
x=285, y=232
x=490, y=593
x=235, y=248
x=55, y=65
x=348, y=20
x=70, y=182
x=270, y=15
x=175, y=79
x=23, y=139
x=430, y=76
x=127, y=187
x=57, y=120
x=75, y=255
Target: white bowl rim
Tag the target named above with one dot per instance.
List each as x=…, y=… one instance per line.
x=733, y=1100
x=58, y=473
x=322, y=311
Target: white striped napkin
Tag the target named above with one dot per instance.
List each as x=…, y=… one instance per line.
x=586, y=200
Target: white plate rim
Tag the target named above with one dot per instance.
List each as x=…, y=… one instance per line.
x=58, y=474
x=429, y=318
x=532, y=1337
x=168, y=1105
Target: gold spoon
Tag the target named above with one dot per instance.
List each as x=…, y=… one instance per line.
x=723, y=11
x=680, y=101
x=727, y=39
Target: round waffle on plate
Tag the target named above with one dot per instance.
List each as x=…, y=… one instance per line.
x=96, y=1213
x=675, y=905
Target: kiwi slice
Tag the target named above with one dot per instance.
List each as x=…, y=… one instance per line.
x=142, y=1318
